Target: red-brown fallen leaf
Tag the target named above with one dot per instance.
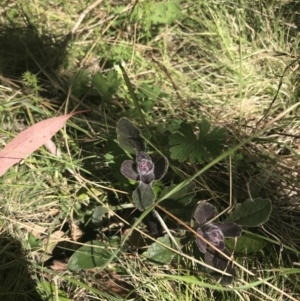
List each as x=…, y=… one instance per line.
x=30, y=140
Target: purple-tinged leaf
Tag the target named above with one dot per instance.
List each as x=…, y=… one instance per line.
x=142, y=156
x=161, y=167
x=147, y=179
x=200, y=243
x=230, y=229
x=214, y=235
x=216, y=260
x=204, y=212
x=160, y=254
x=143, y=197
x=129, y=136
x=128, y=168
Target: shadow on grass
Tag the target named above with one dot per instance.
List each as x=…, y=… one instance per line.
x=27, y=48
x=16, y=284
x=24, y=49
x=291, y=12
x=47, y=57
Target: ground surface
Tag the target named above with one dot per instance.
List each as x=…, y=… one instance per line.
x=230, y=65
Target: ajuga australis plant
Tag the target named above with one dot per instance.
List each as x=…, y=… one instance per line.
x=143, y=170
x=215, y=234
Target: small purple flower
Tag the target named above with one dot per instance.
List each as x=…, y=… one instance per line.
x=144, y=171
x=213, y=232
x=145, y=168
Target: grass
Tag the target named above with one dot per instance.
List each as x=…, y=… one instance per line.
x=234, y=63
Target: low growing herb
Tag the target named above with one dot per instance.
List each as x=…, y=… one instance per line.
x=215, y=234
x=144, y=171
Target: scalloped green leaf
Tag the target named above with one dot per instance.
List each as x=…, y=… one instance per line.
x=185, y=145
x=246, y=243
x=80, y=85
x=105, y=86
x=150, y=92
x=93, y=254
x=160, y=254
x=251, y=213
x=148, y=96
x=165, y=12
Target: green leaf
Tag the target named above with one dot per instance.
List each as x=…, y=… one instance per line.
x=106, y=87
x=94, y=254
x=160, y=254
x=143, y=197
x=113, y=81
x=34, y=242
x=251, y=213
x=145, y=91
x=52, y=292
x=186, y=146
x=99, y=83
x=147, y=105
x=246, y=243
x=165, y=12
x=148, y=96
x=80, y=83
x=172, y=126
x=99, y=215
x=129, y=136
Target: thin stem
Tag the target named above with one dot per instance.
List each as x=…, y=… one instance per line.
x=166, y=229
